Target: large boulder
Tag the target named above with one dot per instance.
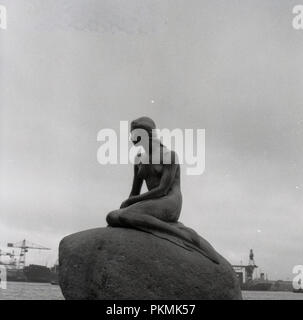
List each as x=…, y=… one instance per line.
x=120, y=263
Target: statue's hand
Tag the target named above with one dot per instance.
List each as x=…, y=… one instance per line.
x=131, y=200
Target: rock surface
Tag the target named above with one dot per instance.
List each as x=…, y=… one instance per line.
x=116, y=263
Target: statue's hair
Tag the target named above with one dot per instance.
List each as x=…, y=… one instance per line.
x=144, y=123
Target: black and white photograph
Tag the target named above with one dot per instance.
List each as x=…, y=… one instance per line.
x=151, y=150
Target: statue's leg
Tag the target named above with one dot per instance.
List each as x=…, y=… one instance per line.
x=137, y=219
x=156, y=214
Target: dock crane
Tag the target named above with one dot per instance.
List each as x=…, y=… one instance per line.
x=25, y=246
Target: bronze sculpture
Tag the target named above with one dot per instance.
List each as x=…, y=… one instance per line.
x=157, y=211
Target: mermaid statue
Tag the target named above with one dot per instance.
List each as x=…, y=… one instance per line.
x=157, y=211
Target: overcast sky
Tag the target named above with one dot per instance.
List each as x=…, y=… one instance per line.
x=71, y=68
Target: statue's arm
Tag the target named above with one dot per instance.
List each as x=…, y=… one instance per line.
x=136, y=188
x=137, y=183
x=167, y=179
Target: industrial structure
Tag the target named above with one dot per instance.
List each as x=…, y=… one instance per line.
x=16, y=267
x=25, y=246
x=245, y=272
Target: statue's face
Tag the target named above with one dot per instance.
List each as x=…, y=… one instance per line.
x=139, y=136
x=135, y=137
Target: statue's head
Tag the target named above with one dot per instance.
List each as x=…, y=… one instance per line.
x=142, y=128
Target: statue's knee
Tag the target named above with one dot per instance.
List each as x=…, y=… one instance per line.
x=112, y=218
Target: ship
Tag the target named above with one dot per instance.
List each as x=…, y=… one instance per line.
x=300, y=290
x=33, y=273
x=259, y=284
x=55, y=274
x=37, y=273
x=15, y=275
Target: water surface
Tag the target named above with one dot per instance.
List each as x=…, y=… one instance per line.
x=45, y=291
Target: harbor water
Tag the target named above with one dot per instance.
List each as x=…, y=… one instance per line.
x=31, y=291
x=45, y=291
